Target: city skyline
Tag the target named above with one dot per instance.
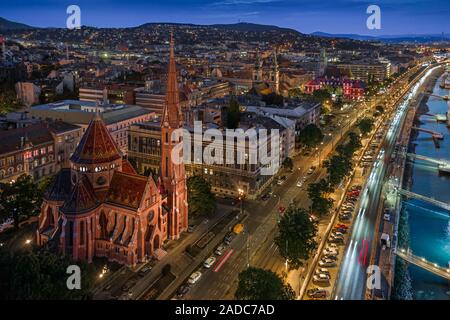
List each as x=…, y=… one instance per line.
x=343, y=16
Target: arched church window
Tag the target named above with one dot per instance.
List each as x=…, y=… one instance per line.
x=103, y=225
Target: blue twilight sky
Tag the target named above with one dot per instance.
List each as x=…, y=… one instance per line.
x=333, y=16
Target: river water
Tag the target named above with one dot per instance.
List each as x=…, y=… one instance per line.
x=427, y=226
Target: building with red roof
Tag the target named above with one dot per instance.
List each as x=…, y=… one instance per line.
x=100, y=206
x=351, y=89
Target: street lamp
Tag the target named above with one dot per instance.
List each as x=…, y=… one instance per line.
x=241, y=198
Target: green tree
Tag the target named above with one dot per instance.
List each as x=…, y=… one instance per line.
x=288, y=163
x=365, y=125
x=40, y=275
x=200, y=198
x=21, y=198
x=233, y=114
x=296, y=236
x=317, y=193
x=273, y=99
x=260, y=284
x=322, y=95
x=380, y=109
x=311, y=136
x=8, y=101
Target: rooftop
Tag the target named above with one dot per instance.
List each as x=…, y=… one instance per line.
x=82, y=112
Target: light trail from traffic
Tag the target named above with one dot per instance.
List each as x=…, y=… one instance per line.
x=352, y=274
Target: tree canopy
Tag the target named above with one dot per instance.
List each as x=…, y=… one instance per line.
x=317, y=193
x=260, y=284
x=233, y=114
x=40, y=275
x=200, y=198
x=21, y=198
x=311, y=136
x=322, y=95
x=365, y=125
x=288, y=163
x=273, y=99
x=296, y=236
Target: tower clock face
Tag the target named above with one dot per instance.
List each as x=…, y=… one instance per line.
x=166, y=124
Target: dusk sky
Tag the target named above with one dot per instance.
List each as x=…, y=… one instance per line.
x=333, y=16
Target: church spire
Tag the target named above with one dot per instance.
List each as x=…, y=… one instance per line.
x=172, y=112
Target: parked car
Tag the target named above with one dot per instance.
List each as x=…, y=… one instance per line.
x=191, y=228
x=330, y=251
x=144, y=270
x=337, y=234
x=209, y=262
x=333, y=257
x=341, y=230
x=321, y=278
x=219, y=250
x=317, y=293
x=327, y=263
x=193, y=278
x=337, y=240
x=228, y=238
x=265, y=197
x=345, y=217
x=127, y=286
x=183, y=290
x=323, y=270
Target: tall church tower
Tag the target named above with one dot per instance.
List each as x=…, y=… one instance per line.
x=173, y=175
x=258, y=69
x=275, y=74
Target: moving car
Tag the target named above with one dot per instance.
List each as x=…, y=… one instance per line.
x=299, y=183
x=281, y=180
x=311, y=170
x=193, y=278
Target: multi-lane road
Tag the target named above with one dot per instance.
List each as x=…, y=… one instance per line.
x=351, y=283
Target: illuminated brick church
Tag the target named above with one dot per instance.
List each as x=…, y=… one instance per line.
x=101, y=207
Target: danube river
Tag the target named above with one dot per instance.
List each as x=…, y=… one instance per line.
x=426, y=228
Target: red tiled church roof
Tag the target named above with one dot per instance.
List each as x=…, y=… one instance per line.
x=127, y=167
x=96, y=146
x=82, y=198
x=126, y=189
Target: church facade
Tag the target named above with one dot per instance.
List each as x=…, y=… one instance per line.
x=100, y=206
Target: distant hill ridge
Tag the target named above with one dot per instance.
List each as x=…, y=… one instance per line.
x=11, y=25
